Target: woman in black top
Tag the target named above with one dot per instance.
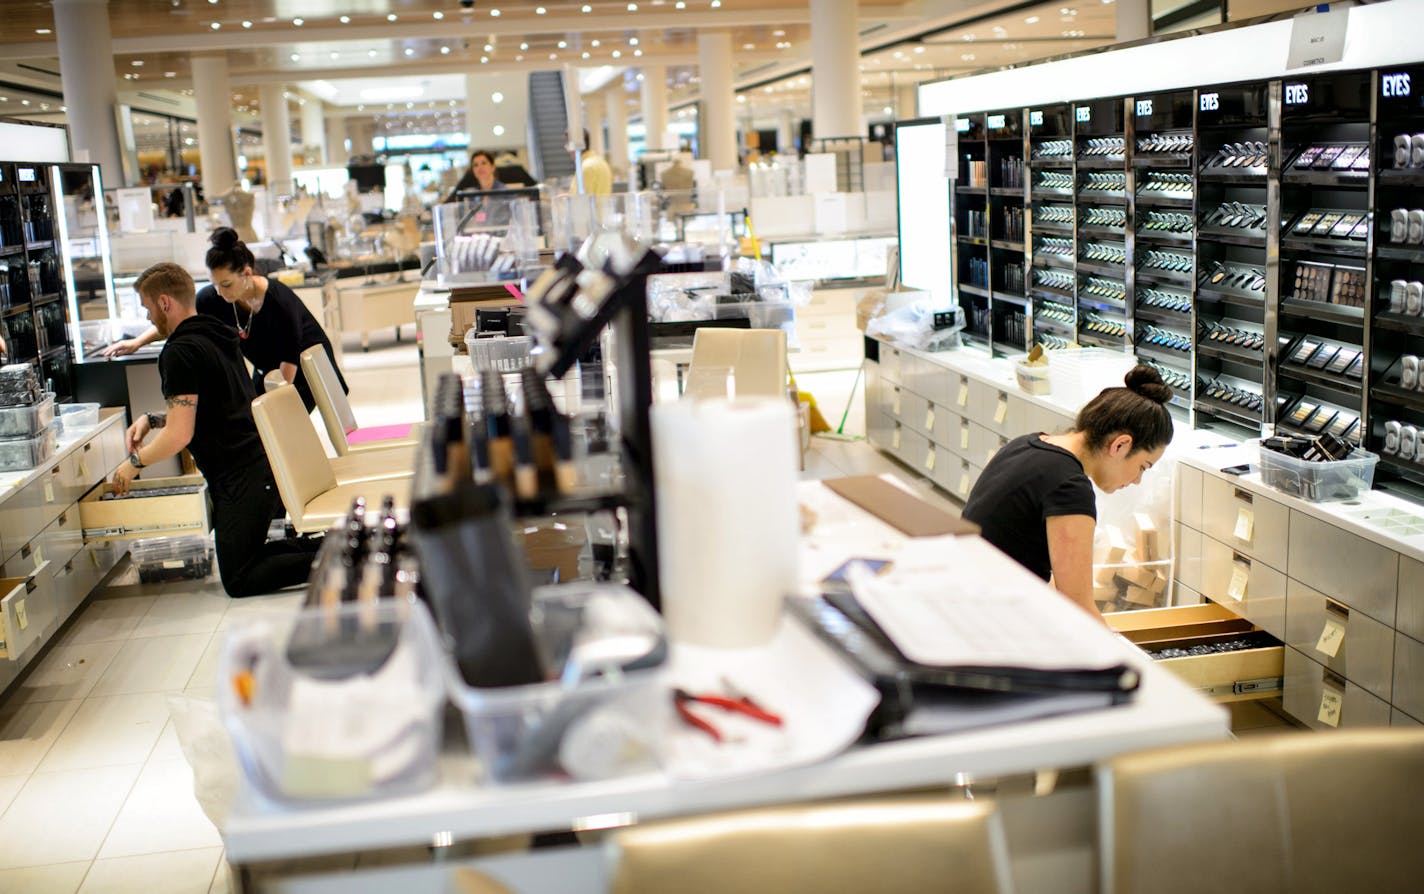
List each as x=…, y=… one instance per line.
x=1035, y=501
x=272, y=323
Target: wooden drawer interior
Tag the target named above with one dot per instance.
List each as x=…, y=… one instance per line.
x=1240, y=675
x=151, y=516
x=18, y=630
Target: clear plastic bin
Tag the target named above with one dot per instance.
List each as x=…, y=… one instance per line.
x=582, y=723
x=1128, y=586
x=335, y=704
x=1033, y=379
x=502, y=354
x=78, y=417
x=26, y=422
x=1316, y=482
x=162, y=559
x=17, y=454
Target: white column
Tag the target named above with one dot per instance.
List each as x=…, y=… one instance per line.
x=785, y=132
x=277, y=137
x=212, y=94
x=835, y=70
x=907, y=98
x=593, y=109
x=362, y=132
x=336, y=141
x=1134, y=20
x=91, y=91
x=655, y=106
x=314, y=128
x=477, y=119
x=616, y=101
x=718, y=138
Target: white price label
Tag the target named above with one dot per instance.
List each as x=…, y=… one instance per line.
x=84, y=469
x=929, y=420
x=929, y=460
x=1245, y=524
x=895, y=439
x=1332, y=637
x=1240, y=577
x=964, y=483
x=963, y=393
x=39, y=558
x=1001, y=412
x=895, y=402
x=963, y=437
x=49, y=491
x=1332, y=705
x=22, y=617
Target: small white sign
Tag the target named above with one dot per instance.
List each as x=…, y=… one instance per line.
x=1318, y=38
x=951, y=148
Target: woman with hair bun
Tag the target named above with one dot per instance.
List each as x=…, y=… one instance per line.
x=1035, y=501
x=272, y=323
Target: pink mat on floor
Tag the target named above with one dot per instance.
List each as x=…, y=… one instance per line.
x=379, y=433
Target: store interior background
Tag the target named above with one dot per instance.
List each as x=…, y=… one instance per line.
x=417, y=82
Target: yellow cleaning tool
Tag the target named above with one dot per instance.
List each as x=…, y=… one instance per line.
x=751, y=234
x=818, y=421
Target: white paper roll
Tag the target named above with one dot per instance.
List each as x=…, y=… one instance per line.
x=725, y=478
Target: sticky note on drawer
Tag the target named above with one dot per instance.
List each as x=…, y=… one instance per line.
x=963, y=393
x=929, y=420
x=1332, y=705
x=964, y=482
x=1332, y=637
x=930, y=460
x=1245, y=524
x=895, y=439
x=895, y=401
x=1001, y=411
x=963, y=436
x=1240, y=577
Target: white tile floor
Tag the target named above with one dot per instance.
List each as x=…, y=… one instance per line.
x=95, y=794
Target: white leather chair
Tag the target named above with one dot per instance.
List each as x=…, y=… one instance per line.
x=336, y=413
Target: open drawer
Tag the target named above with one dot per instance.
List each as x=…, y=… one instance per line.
x=156, y=507
x=1242, y=674
x=20, y=630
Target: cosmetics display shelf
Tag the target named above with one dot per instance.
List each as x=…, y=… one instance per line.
x=1350, y=388
x=1162, y=159
x=1010, y=298
x=1114, y=271
x=1162, y=316
x=1101, y=162
x=1400, y=253
x=1345, y=180
x=1222, y=409
x=971, y=190
x=1010, y=191
x=1102, y=304
x=1101, y=197
x=1153, y=276
x=1234, y=177
x=1229, y=352
x=1054, y=324
x=1051, y=226
x=974, y=290
x=1343, y=248
x=1400, y=177
x=1100, y=232
x=1244, y=238
x=1153, y=200
x=1400, y=323
x=1321, y=310
x=1006, y=245
x=973, y=240
x=1165, y=237
x=1039, y=192
x=1395, y=393
x=1238, y=299
x=1164, y=354
x=1061, y=294
x=1094, y=340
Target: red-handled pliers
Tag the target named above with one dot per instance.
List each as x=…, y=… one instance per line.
x=743, y=705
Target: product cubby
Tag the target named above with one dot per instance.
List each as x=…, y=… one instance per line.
x=33, y=286
x=1233, y=221
x=1100, y=151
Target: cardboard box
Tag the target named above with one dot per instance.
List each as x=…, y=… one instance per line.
x=551, y=545
x=1137, y=576
x=1146, y=537
x=465, y=301
x=1140, y=595
x=1117, y=546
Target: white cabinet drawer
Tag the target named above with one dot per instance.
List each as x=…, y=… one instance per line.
x=933, y=381
x=983, y=444
x=1351, y=569
x=958, y=436
x=955, y=474
x=1306, y=683
x=1189, y=496
x=996, y=409
x=913, y=448
x=832, y=301
x=818, y=326
x=1244, y=585
x=891, y=369
x=946, y=427
x=1252, y=524
x=1363, y=648
x=1399, y=718
x=909, y=408
x=1407, y=692
x=1190, y=557
x=1409, y=615
x=140, y=516
x=22, y=615
x=1226, y=676
x=960, y=393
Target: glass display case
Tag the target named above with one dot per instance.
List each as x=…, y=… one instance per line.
x=83, y=236
x=487, y=237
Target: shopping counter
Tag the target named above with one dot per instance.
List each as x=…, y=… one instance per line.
x=1165, y=711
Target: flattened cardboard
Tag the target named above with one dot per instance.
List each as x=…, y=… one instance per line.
x=902, y=511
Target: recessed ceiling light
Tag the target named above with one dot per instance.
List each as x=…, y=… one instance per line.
x=246, y=23
x=586, y=8
x=295, y=57
x=539, y=10
x=585, y=55
x=334, y=54
x=494, y=12
x=299, y=22
x=444, y=51
x=170, y=74
x=563, y=44
x=438, y=14
x=632, y=7
x=345, y=20
x=217, y=26
x=409, y=51
x=679, y=5
x=553, y=55
x=371, y=53
x=1031, y=20
x=741, y=97
x=919, y=49
x=596, y=44
x=716, y=3
x=632, y=41
x=967, y=57
x=484, y=60
x=391, y=17
x=617, y=54
x=524, y=46
x=637, y=52
x=489, y=48
x=137, y=63
x=519, y=58
x=499, y=130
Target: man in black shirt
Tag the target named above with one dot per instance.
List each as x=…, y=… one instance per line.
x=209, y=399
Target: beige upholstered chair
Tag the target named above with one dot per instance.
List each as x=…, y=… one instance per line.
x=305, y=479
x=1296, y=812
x=756, y=358
x=889, y=846
x=337, y=415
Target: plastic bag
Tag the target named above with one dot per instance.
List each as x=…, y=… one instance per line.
x=913, y=327
x=209, y=752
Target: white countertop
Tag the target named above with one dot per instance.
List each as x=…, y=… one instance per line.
x=1166, y=711
x=11, y=482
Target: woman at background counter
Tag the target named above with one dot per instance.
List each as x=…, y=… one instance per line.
x=1035, y=500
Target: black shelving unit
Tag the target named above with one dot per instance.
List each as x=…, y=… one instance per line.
x=972, y=226
x=1100, y=149
x=33, y=308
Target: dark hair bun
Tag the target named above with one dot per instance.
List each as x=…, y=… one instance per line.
x=225, y=238
x=1145, y=381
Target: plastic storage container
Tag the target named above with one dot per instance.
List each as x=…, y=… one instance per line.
x=606, y=708
x=25, y=453
x=76, y=418
x=502, y=354
x=1316, y=482
x=162, y=559
x=1033, y=379
x=26, y=422
x=335, y=703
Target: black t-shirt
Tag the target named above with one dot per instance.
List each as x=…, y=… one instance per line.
x=281, y=329
x=201, y=357
x=1027, y=482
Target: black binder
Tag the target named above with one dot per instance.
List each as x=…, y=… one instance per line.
x=919, y=699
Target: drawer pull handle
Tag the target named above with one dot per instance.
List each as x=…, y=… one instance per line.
x=87, y=447
x=1244, y=496
x=25, y=551
x=1337, y=608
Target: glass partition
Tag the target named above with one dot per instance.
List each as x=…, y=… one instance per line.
x=84, y=238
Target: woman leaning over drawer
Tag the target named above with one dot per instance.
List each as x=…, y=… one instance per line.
x=1035, y=498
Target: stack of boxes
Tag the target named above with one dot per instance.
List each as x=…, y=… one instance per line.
x=1130, y=573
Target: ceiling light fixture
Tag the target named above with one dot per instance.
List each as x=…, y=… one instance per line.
x=563, y=44
x=1031, y=20
x=585, y=55
x=217, y=26
x=519, y=58
x=632, y=7
x=137, y=63
x=484, y=60
x=596, y=44
x=632, y=41
x=295, y=57
x=409, y=51
x=371, y=53
x=297, y=23
x=617, y=54
x=345, y=20
x=586, y=8
x=499, y=130
x=391, y=17
x=444, y=51
x=489, y=48
x=246, y=23
x=494, y=12
x=524, y=46
x=438, y=15
x=539, y=10
x=637, y=52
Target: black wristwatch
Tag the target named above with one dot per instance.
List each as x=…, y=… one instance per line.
x=134, y=460
x=157, y=420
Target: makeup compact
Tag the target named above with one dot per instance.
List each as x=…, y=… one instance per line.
x=1303, y=411
x=1398, y=225
x=1304, y=350
x=1409, y=371
x=1391, y=436
x=1342, y=361
x=1408, y=441
x=1347, y=158
x=1416, y=154
x=1323, y=356
x=1401, y=150
x=1416, y=227
x=1343, y=425
x=1414, y=298
x=1398, y=289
